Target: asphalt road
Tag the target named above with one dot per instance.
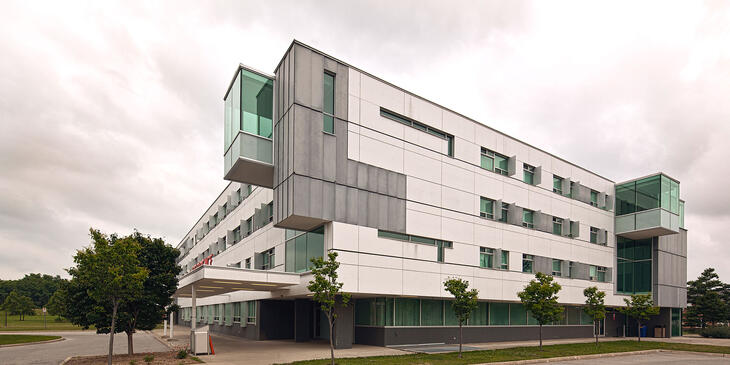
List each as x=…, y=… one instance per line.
x=652, y=359
x=76, y=343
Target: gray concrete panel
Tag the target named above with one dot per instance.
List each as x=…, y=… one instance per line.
x=373, y=210
x=329, y=201
x=344, y=327
x=514, y=215
x=362, y=176
x=341, y=205
x=317, y=83
x=353, y=209
x=382, y=211
x=543, y=265
x=372, y=179
x=302, y=75
x=341, y=91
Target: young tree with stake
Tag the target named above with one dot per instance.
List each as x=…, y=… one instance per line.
x=327, y=291
x=540, y=297
x=595, y=307
x=465, y=302
x=641, y=308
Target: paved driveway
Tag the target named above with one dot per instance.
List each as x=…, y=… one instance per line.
x=662, y=358
x=76, y=343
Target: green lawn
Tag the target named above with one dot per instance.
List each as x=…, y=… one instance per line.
x=34, y=323
x=11, y=339
x=523, y=353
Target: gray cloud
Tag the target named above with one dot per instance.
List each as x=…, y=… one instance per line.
x=110, y=115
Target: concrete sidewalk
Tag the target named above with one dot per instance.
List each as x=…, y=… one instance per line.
x=231, y=349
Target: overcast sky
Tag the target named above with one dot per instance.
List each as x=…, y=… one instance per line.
x=111, y=113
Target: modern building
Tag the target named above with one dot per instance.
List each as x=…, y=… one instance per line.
x=322, y=156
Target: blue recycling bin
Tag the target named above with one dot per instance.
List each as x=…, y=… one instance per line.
x=643, y=331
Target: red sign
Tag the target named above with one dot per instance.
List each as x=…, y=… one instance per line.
x=206, y=261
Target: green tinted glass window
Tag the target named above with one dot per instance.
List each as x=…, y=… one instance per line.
x=486, y=257
x=594, y=198
x=487, y=162
x=504, y=264
x=290, y=253
x=674, y=197
x=517, y=315
x=449, y=315
x=499, y=314
x=558, y=184
x=407, y=312
x=528, y=174
x=500, y=164
x=594, y=235
x=557, y=267
x=666, y=192
x=626, y=198
x=432, y=313
x=681, y=214
x=329, y=103
x=256, y=103
x=486, y=208
x=648, y=193
x=557, y=226
x=424, y=240
x=528, y=263
x=527, y=218
x=301, y=253
x=479, y=316
x=315, y=245
x=364, y=312
x=393, y=235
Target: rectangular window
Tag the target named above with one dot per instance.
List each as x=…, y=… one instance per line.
x=237, y=234
x=505, y=210
x=570, y=269
x=238, y=196
x=486, y=208
x=270, y=211
x=248, y=263
x=594, y=235
x=504, y=264
x=517, y=314
x=440, y=251
x=557, y=226
x=486, y=257
x=440, y=245
x=557, y=184
x=527, y=263
x=557, y=267
x=597, y=273
x=329, y=103
x=217, y=315
x=594, y=198
x=237, y=312
x=422, y=127
x=499, y=314
x=268, y=259
x=602, y=274
x=251, y=313
x=529, y=174
x=527, y=218
x=249, y=226
x=487, y=161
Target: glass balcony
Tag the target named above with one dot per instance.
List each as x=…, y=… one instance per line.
x=248, y=128
x=648, y=207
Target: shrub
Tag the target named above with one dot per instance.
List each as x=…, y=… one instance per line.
x=716, y=332
x=132, y=362
x=149, y=358
x=181, y=354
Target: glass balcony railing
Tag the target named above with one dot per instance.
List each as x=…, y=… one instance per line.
x=248, y=128
x=648, y=207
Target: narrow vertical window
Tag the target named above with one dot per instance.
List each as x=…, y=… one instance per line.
x=486, y=257
x=557, y=267
x=557, y=226
x=329, y=103
x=504, y=265
x=527, y=218
x=557, y=184
x=529, y=174
x=594, y=235
x=527, y=263
x=505, y=210
x=594, y=198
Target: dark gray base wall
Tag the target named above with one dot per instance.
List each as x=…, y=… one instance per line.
x=387, y=336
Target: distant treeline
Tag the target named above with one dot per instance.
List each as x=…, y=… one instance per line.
x=39, y=288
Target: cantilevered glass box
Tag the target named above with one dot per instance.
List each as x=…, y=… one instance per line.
x=648, y=207
x=248, y=138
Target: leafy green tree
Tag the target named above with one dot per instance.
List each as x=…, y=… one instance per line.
x=56, y=304
x=540, y=297
x=109, y=272
x=26, y=307
x=327, y=291
x=465, y=302
x=146, y=311
x=705, y=296
x=641, y=308
x=18, y=304
x=595, y=306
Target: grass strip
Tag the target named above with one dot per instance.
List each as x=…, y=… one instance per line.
x=522, y=353
x=13, y=339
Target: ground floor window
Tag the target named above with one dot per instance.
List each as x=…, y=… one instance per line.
x=237, y=312
x=251, y=313
x=412, y=312
x=301, y=248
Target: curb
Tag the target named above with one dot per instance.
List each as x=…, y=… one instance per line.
x=33, y=343
x=160, y=340
x=65, y=360
x=596, y=356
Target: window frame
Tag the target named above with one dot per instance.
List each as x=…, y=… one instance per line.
x=504, y=260
x=251, y=308
x=328, y=118
x=531, y=214
x=558, y=222
x=489, y=203
x=594, y=234
x=528, y=170
x=594, y=198
x=559, y=180
x=528, y=261
x=487, y=253
x=558, y=273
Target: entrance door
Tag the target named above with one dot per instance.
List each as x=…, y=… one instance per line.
x=321, y=325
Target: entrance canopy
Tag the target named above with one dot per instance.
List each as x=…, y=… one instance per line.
x=215, y=280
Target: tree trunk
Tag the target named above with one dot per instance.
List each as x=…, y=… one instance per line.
x=332, y=330
x=540, y=336
x=595, y=330
x=130, y=343
x=111, y=333
x=638, y=330
x=461, y=339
